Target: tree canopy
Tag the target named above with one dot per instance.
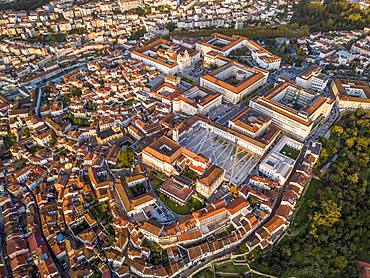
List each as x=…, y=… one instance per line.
x=337, y=230
x=126, y=158
x=331, y=15
x=22, y=4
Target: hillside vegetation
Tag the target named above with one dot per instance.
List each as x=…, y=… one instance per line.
x=331, y=15
x=338, y=217
x=22, y=4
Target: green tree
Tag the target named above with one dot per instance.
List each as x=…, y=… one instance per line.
x=137, y=34
x=350, y=142
x=337, y=224
x=75, y=91
x=353, y=178
x=337, y=130
x=126, y=158
x=329, y=214
x=171, y=26
x=9, y=140
x=189, y=173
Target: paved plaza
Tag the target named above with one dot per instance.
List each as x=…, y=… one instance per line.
x=236, y=161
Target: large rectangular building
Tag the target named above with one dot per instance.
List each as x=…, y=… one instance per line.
x=279, y=163
x=220, y=44
x=351, y=94
x=294, y=109
x=196, y=100
x=312, y=79
x=166, y=56
x=234, y=81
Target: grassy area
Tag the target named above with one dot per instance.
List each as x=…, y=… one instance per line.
x=290, y=152
x=188, y=80
x=155, y=182
x=205, y=273
x=231, y=268
x=300, y=219
x=192, y=205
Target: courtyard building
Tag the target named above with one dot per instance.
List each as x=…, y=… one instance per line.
x=293, y=109
x=196, y=100
x=220, y=44
x=351, y=94
x=234, y=81
x=166, y=56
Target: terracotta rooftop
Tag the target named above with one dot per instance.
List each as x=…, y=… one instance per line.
x=340, y=84
x=256, y=75
x=211, y=175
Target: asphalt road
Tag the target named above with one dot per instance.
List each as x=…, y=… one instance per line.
x=323, y=127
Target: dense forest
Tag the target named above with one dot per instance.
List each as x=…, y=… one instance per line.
x=331, y=15
x=336, y=230
x=22, y=4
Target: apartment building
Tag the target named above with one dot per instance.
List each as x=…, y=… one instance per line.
x=312, y=79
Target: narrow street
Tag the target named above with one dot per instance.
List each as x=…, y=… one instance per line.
x=3, y=249
x=51, y=252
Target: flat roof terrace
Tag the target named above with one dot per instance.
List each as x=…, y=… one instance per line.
x=251, y=117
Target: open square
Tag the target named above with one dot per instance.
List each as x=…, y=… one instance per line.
x=236, y=161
